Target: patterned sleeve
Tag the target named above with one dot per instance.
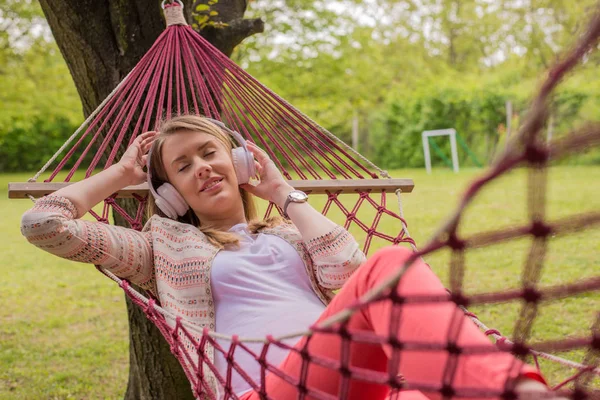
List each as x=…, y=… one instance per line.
x=336, y=255
x=52, y=225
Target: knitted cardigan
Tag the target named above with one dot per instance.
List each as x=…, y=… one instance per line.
x=173, y=260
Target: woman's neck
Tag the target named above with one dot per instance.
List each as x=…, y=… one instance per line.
x=225, y=223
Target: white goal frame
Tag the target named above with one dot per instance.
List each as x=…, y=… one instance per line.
x=440, y=132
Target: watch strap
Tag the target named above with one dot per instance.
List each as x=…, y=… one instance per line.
x=285, y=207
x=289, y=200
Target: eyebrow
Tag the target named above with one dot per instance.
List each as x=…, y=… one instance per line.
x=183, y=156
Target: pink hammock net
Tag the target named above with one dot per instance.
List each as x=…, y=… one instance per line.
x=182, y=73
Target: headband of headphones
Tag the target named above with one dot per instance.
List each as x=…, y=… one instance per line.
x=149, y=173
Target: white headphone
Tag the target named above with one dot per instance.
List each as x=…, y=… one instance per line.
x=170, y=201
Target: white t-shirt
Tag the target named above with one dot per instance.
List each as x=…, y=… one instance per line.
x=260, y=289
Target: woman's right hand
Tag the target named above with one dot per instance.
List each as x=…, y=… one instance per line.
x=134, y=160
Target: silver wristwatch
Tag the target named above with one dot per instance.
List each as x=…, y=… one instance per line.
x=295, y=196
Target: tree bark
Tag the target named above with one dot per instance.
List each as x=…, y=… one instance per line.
x=101, y=41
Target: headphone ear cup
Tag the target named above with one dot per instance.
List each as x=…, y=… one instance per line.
x=165, y=207
x=243, y=162
x=171, y=200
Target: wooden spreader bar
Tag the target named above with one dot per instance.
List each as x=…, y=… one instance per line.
x=20, y=190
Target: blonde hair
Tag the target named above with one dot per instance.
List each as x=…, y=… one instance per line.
x=196, y=123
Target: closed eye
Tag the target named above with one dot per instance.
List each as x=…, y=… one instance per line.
x=183, y=168
x=210, y=153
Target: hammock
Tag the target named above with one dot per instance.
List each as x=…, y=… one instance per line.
x=182, y=73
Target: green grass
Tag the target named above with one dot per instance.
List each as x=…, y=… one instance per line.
x=63, y=326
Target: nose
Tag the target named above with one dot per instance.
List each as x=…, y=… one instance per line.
x=202, y=169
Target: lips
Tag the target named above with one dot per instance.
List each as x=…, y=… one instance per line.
x=210, y=183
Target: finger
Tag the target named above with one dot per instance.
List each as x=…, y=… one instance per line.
x=248, y=188
x=148, y=134
x=138, y=157
x=147, y=144
x=254, y=146
x=148, y=141
x=140, y=138
x=259, y=168
x=135, y=149
x=149, y=138
x=144, y=137
x=259, y=153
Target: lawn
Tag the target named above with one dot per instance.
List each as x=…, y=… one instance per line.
x=63, y=326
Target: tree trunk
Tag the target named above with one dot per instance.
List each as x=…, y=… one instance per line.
x=101, y=41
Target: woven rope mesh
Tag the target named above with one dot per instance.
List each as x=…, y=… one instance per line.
x=182, y=73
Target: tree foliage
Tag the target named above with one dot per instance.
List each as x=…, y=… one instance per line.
x=476, y=108
x=419, y=64
x=382, y=60
x=40, y=107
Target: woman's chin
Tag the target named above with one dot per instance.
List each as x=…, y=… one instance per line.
x=218, y=198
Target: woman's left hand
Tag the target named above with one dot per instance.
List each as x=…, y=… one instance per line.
x=272, y=187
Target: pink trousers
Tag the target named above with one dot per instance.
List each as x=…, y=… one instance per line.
x=422, y=323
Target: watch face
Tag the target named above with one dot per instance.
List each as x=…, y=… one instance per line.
x=298, y=195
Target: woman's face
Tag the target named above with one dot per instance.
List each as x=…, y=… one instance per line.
x=200, y=167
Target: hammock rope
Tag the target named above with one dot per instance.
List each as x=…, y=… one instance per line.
x=182, y=73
